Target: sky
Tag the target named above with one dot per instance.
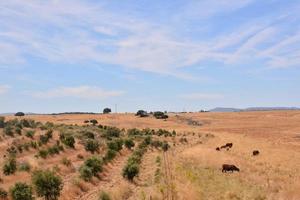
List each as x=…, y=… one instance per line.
x=174, y=55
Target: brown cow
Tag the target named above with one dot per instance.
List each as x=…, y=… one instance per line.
x=229, y=145
x=255, y=152
x=218, y=149
x=227, y=167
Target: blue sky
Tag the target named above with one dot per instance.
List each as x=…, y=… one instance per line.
x=174, y=55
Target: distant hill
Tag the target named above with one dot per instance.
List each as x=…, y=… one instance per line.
x=221, y=109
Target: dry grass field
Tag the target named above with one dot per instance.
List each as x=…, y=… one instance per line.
x=191, y=168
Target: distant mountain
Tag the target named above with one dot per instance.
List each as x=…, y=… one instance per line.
x=221, y=109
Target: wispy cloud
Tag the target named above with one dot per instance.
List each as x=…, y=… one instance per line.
x=201, y=96
x=82, y=32
x=82, y=92
x=4, y=88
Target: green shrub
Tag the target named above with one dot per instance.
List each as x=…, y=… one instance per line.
x=115, y=145
x=95, y=164
x=24, y=166
x=110, y=155
x=44, y=139
x=18, y=130
x=2, y=122
x=89, y=135
x=104, y=196
x=133, y=132
x=86, y=173
x=30, y=133
x=129, y=143
x=53, y=150
x=160, y=115
x=21, y=191
x=69, y=141
x=8, y=130
x=10, y=166
x=130, y=171
x=91, y=145
x=113, y=132
x=91, y=167
x=65, y=161
x=106, y=110
x=47, y=184
x=3, y=194
x=43, y=153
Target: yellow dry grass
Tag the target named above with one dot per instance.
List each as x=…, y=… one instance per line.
x=194, y=168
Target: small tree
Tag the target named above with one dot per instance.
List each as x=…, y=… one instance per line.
x=106, y=110
x=129, y=143
x=69, y=140
x=130, y=171
x=20, y=114
x=47, y=184
x=91, y=145
x=21, y=191
x=3, y=194
x=10, y=166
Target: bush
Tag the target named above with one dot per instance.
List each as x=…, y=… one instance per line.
x=12, y=151
x=133, y=132
x=65, y=161
x=2, y=122
x=18, y=130
x=110, y=155
x=104, y=196
x=69, y=141
x=24, y=167
x=8, y=130
x=3, y=194
x=47, y=184
x=44, y=139
x=91, y=145
x=10, y=167
x=86, y=173
x=21, y=191
x=91, y=167
x=106, y=110
x=89, y=135
x=142, y=113
x=20, y=114
x=30, y=133
x=115, y=145
x=113, y=132
x=95, y=164
x=160, y=115
x=43, y=153
x=129, y=143
x=130, y=171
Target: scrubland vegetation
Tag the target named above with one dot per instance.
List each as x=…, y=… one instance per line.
x=135, y=157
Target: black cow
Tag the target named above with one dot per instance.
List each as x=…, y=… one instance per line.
x=218, y=149
x=255, y=152
x=227, y=167
x=223, y=147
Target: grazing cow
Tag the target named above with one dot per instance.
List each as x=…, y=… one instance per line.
x=223, y=147
x=229, y=145
x=255, y=152
x=218, y=149
x=227, y=167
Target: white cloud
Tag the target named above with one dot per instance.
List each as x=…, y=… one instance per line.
x=83, y=92
x=80, y=32
x=4, y=88
x=201, y=96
